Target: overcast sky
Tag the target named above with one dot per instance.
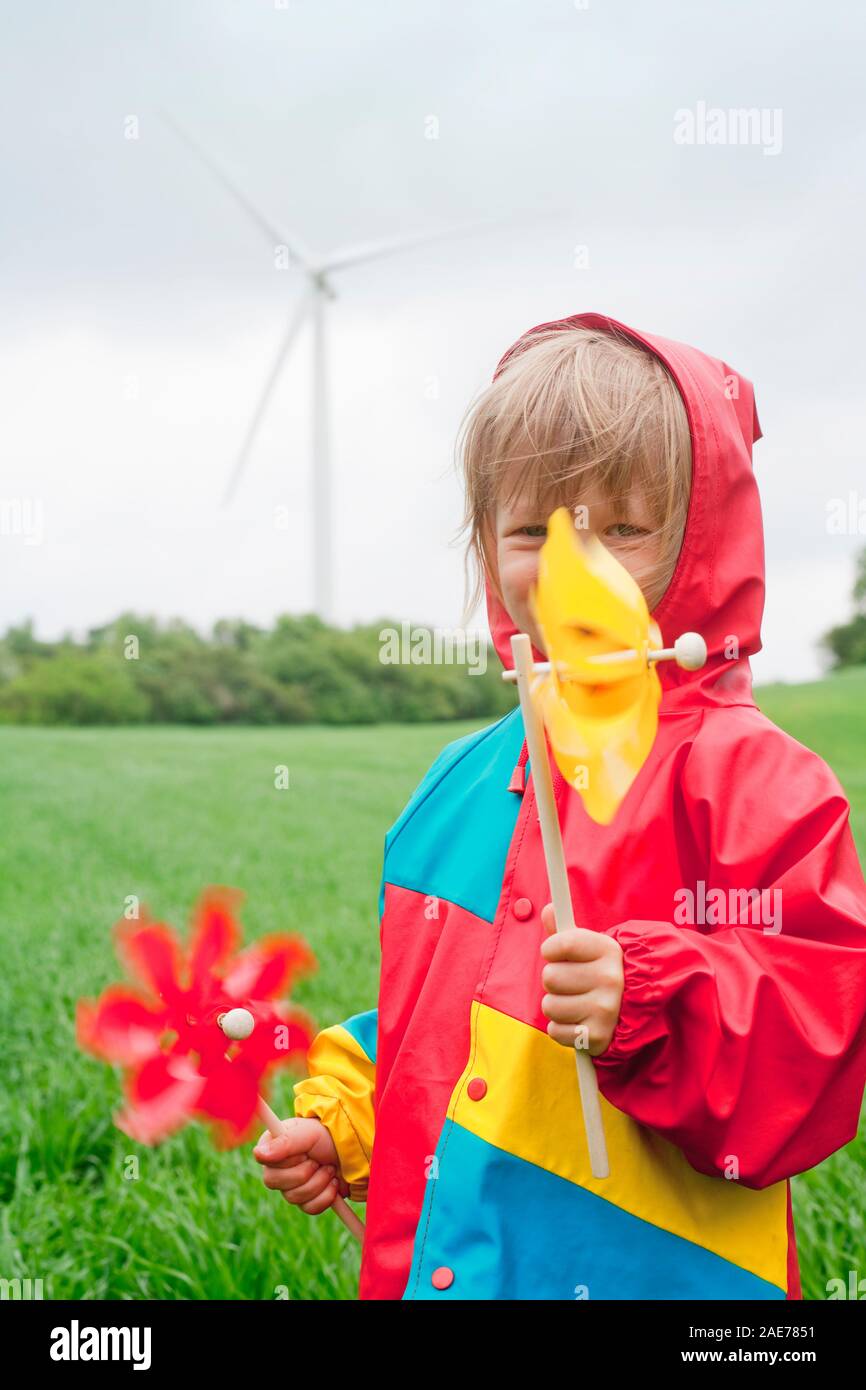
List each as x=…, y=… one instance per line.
x=142, y=308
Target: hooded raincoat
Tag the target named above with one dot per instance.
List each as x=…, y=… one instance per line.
x=730, y=880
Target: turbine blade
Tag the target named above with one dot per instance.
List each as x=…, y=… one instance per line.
x=294, y=328
x=274, y=234
x=370, y=251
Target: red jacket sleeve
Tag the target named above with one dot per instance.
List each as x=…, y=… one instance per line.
x=743, y=1041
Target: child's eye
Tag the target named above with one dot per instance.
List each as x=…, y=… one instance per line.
x=536, y=532
x=625, y=530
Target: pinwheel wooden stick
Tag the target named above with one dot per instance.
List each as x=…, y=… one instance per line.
x=554, y=857
x=238, y=1024
x=274, y=1125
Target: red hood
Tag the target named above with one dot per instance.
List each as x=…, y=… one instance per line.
x=718, y=584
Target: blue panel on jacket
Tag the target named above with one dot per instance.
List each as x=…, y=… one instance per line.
x=452, y=839
x=363, y=1028
x=510, y=1230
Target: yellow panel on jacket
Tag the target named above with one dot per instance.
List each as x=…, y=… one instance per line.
x=531, y=1108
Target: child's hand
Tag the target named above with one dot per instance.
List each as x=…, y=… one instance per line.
x=302, y=1164
x=584, y=981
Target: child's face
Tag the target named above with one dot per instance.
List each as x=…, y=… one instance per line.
x=624, y=527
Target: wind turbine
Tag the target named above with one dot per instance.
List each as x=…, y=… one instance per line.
x=318, y=290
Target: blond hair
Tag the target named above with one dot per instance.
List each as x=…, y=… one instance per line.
x=575, y=408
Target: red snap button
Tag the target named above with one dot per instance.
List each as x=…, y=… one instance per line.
x=442, y=1278
x=522, y=909
x=477, y=1088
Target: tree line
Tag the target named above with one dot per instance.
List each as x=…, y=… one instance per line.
x=138, y=670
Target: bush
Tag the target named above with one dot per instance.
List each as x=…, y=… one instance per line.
x=73, y=688
x=847, y=643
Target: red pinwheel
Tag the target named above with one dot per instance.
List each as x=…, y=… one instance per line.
x=171, y=1032
x=166, y=1034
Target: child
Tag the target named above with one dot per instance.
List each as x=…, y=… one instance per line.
x=720, y=959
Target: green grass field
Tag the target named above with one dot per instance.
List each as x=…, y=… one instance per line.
x=90, y=816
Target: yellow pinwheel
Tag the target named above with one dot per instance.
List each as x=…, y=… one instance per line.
x=598, y=697
x=599, y=700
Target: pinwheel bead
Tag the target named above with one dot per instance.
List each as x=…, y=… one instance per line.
x=237, y=1024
